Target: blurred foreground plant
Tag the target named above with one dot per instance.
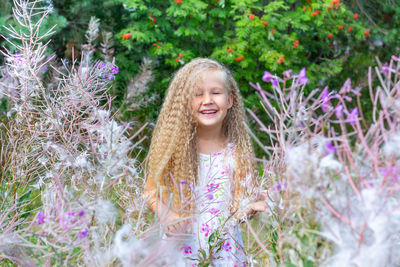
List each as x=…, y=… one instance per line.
x=67, y=171
x=334, y=187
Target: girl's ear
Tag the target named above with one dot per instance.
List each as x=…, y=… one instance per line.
x=230, y=100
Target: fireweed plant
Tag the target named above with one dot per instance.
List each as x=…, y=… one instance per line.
x=68, y=178
x=70, y=190
x=334, y=185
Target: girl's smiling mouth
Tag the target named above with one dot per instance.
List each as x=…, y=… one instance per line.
x=208, y=112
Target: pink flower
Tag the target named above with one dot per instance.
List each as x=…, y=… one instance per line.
x=205, y=229
x=186, y=249
x=214, y=211
x=227, y=246
x=212, y=187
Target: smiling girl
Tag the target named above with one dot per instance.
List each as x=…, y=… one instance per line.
x=200, y=159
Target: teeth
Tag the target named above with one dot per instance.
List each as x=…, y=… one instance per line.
x=208, y=112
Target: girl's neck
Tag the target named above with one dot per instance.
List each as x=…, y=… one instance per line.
x=210, y=141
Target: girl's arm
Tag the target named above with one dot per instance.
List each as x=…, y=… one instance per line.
x=170, y=219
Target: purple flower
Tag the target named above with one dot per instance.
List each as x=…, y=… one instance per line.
x=227, y=246
x=279, y=187
x=18, y=59
x=302, y=77
x=71, y=213
x=114, y=69
x=274, y=82
x=390, y=172
x=326, y=103
x=45, y=67
x=81, y=213
x=40, y=218
x=210, y=196
x=83, y=234
x=353, y=116
x=339, y=111
x=347, y=52
x=101, y=65
x=186, y=249
x=183, y=182
x=385, y=68
x=330, y=148
x=395, y=58
x=286, y=74
x=267, y=76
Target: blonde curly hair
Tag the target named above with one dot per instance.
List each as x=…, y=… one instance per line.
x=173, y=157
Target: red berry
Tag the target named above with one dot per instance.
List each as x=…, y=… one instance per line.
x=126, y=36
x=238, y=59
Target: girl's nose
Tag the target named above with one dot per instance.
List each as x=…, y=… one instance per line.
x=207, y=98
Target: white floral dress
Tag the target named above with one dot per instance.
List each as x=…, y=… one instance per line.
x=212, y=198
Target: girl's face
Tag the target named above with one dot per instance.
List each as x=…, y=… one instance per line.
x=211, y=100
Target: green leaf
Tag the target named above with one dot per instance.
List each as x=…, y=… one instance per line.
x=212, y=238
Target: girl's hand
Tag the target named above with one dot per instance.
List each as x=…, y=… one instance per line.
x=259, y=205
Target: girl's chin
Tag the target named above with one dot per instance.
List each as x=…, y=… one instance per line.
x=208, y=123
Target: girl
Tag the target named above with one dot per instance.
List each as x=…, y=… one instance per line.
x=200, y=173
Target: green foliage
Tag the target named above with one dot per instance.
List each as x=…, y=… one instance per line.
x=246, y=35
x=6, y=19
x=249, y=37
